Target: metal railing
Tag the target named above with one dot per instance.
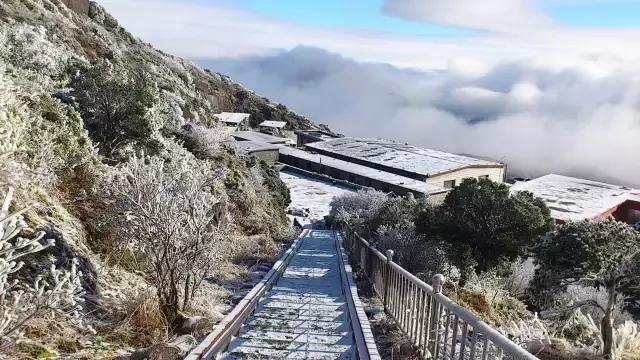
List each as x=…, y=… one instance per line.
x=437, y=326
x=218, y=340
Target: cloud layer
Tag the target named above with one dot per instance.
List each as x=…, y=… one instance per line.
x=523, y=88
x=580, y=119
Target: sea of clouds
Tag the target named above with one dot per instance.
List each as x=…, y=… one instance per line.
x=580, y=118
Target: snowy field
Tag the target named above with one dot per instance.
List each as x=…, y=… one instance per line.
x=311, y=194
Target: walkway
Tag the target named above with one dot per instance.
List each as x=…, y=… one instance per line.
x=305, y=315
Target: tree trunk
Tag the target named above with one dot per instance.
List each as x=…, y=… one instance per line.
x=606, y=327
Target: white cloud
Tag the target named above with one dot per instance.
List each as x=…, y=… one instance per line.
x=504, y=16
x=537, y=118
x=543, y=96
x=199, y=30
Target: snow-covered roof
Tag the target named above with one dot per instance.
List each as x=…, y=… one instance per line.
x=273, y=124
x=232, y=118
x=260, y=137
x=365, y=171
x=317, y=134
x=424, y=162
x=251, y=146
x=573, y=199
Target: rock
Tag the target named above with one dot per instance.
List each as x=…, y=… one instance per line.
x=175, y=349
x=196, y=326
x=79, y=6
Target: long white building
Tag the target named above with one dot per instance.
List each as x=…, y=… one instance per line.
x=434, y=167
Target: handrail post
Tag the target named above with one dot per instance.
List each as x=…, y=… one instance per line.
x=387, y=275
x=437, y=282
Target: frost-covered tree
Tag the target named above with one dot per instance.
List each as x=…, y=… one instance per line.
x=169, y=213
x=114, y=105
x=58, y=293
x=603, y=255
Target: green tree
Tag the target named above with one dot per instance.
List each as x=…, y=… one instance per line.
x=114, y=104
x=484, y=225
x=602, y=254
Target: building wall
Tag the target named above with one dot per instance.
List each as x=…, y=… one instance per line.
x=351, y=177
x=496, y=174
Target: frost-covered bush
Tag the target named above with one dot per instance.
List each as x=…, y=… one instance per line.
x=57, y=293
x=204, y=141
x=628, y=340
x=417, y=254
x=601, y=255
x=356, y=210
x=521, y=273
x=171, y=215
x=30, y=48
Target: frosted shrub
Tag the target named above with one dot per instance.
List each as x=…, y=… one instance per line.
x=29, y=47
x=357, y=210
x=526, y=332
x=413, y=252
x=628, y=340
x=170, y=215
x=60, y=293
x=522, y=272
x=11, y=115
x=202, y=140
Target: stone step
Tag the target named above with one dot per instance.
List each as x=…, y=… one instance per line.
x=279, y=304
x=244, y=348
x=293, y=314
x=297, y=326
x=284, y=336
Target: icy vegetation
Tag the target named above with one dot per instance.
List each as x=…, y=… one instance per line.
x=503, y=258
x=127, y=212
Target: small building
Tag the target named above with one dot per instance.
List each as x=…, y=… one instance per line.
x=311, y=136
x=233, y=119
x=261, y=137
x=574, y=199
x=275, y=125
x=435, y=167
x=262, y=151
x=359, y=174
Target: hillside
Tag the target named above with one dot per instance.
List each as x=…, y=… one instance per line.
x=93, y=123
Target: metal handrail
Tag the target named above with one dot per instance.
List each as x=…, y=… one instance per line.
x=219, y=338
x=437, y=326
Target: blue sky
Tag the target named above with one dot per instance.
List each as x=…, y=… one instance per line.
x=558, y=76
x=350, y=14
x=614, y=14
x=368, y=14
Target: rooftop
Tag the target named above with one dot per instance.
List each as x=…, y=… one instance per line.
x=232, y=118
x=260, y=137
x=405, y=182
x=318, y=134
x=424, y=162
x=573, y=199
x=251, y=146
x=274, y=124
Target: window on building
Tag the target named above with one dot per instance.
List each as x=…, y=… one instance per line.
x=449, y=184
x=483, y=177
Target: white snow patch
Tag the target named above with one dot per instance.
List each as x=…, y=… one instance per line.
x=313, y=194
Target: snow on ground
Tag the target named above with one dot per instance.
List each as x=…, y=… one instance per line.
x=312, y=194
